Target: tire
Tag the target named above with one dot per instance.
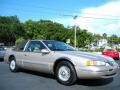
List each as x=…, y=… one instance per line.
x=118, y=58
x=12, y=65
x=65, y=73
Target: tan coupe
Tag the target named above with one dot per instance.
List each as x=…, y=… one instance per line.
x=60, y=59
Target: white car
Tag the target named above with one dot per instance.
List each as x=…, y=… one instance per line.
x=2, y=52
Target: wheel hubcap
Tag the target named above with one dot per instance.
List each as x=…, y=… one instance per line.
x=64, y=73
x=12, y=64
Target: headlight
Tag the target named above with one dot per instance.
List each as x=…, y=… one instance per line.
x=95, y=63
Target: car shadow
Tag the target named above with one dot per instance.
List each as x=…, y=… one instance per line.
x=94, y=82
x=1, y=60
x=85, y=82
x=38, y=73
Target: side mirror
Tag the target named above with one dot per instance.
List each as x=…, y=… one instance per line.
x=45, y=51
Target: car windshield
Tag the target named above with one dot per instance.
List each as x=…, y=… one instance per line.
x=110, y=50
x=58, y=46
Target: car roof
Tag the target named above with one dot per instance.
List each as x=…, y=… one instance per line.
x=42, y=40
x=110, y=49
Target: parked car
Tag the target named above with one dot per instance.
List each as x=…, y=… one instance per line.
x=60, y=59
x=2, y=52
x=111, y=53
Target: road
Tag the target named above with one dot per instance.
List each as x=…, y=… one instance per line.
x=28, y=80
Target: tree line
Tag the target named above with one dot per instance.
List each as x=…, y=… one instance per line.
x=12, y=31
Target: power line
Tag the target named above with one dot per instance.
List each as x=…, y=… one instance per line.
x=91, y=17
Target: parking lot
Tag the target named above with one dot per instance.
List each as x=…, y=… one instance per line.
x=28, y=80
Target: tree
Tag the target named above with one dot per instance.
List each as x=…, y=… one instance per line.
x=83, y=38
x=97, y=37
x=10, y=29
x=44, y=29
x=104, y=35
x=113, y=39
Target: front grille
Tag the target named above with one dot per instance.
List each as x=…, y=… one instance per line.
x=111, y=74
x=110, y=69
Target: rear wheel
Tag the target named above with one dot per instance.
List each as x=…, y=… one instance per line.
x=65, y=73
x=12, y=65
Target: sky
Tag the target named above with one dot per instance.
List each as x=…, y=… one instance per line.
x=97, y=16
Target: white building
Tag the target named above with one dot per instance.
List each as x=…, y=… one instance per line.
x=102, y=43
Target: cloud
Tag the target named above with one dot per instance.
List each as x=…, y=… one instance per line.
x=102, y=19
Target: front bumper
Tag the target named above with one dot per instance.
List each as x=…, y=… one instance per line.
x=92, y=72
x=1, y=57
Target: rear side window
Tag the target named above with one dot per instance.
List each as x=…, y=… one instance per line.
x=2, y=49
x=110, y=50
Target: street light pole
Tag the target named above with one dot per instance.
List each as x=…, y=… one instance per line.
x=75, y=17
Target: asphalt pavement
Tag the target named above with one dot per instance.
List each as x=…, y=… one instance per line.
x=29, y=80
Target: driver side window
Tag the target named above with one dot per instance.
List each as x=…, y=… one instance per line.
x=35, y=46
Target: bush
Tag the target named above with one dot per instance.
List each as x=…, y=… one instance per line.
x=21, y=39
x=118, y=49
x=89, y=50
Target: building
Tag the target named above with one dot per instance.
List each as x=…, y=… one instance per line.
x=102, y=43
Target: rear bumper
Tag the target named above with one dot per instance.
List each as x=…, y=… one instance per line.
x=95, y=72
x=114, y=56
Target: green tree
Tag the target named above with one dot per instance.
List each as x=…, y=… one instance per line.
x=10, y=29
x=113, y=39
x=45, y=29
x=97, y=37
x=104, y=35
x=83, y=38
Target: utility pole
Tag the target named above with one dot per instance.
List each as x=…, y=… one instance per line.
x=75, y=17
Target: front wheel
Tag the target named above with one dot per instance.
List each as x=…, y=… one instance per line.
x=12, y=65
x=65, y=73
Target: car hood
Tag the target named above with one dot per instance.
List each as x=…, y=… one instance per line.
x=87, y=55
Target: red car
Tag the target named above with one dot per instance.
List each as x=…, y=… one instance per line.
x=111, y=53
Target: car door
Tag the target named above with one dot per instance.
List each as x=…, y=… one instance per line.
x=34, y=59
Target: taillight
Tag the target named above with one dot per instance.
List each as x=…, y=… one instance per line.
x=115, y=53
x=104, y=53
